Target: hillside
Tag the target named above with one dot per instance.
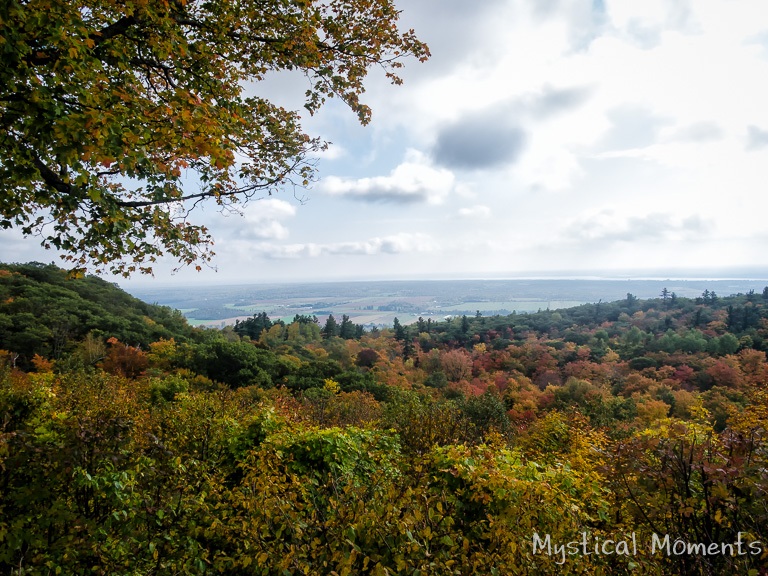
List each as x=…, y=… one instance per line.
x=436, y=448
x=43, y=311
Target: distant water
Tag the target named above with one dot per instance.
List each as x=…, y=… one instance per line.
x=379, y=302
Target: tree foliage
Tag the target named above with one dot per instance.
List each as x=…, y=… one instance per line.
x=44, y=312
x=117, y=118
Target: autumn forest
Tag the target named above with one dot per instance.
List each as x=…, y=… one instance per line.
x=613, y=438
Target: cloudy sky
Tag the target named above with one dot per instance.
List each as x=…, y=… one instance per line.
x=542, y=136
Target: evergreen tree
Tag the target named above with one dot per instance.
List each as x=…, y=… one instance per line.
x=331, y=328
x=399, y=330
x=253, y=327
x=347, y=328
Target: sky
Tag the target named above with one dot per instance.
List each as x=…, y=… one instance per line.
x=542, y=136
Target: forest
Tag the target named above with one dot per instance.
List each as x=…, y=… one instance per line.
x=612, y=438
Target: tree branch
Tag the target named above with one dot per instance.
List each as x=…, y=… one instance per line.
x=239, y=191
x=50, y=177
x=117, y=28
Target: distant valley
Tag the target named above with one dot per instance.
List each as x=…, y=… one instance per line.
x=378, y=303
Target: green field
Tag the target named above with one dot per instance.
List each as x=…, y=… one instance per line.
x=378, y=303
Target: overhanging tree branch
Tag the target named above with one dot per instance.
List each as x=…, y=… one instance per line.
x=137, y=92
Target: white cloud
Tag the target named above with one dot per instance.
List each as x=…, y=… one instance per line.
x=550, y=168
x=260, y=219
x=269, y=229
x=607, y=226
x=402, y=243
x=414, y=180
x=332, y=152
x=478, y=211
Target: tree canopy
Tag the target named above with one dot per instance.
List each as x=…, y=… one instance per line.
x=132, y=443
x=118, y=117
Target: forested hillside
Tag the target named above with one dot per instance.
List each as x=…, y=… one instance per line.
x=631, y=433
x=44, y=312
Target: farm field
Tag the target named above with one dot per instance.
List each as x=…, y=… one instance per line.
x=378, y=303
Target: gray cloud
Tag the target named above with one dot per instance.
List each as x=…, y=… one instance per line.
x=480, y=140
x=644, y=35
x=757, y=138
x=494, y=137
x=585, y=18
x=632, y=127
x=546, y=8
x=385, y=194
x=699, y=132
x=680, y=15
x=552, y=101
